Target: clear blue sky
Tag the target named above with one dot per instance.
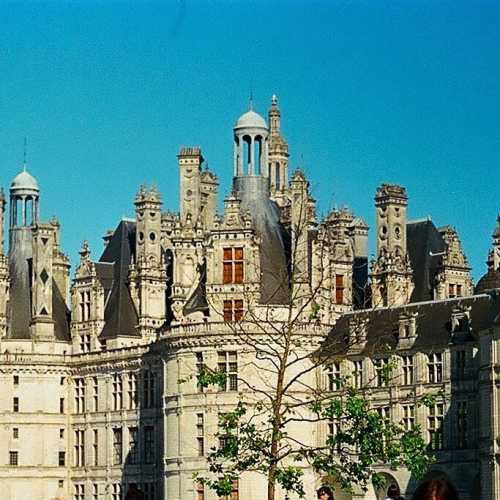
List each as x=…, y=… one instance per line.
x=370, y=92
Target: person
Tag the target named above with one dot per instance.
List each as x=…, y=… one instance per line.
x=436, y=489
x=393, y=493
x=325, y=493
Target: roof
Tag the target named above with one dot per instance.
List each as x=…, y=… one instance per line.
x=433, y=324
x=490, y=281
x=120, y=315
x=24, y=180
x=251, y=119
x=423, y=241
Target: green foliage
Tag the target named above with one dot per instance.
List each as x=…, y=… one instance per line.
x=362, y=441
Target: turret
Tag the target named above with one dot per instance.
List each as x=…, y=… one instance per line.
x=190, y=161
x=278, y=154
x=491, y=280
x=391, y=273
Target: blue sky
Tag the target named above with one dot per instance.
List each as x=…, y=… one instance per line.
x=370, y=91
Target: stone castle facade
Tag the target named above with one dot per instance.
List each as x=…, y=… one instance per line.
x=98, y=373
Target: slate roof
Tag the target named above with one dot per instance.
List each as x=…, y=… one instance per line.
x=422, y=239
x=433, y=324
x=120, y=315
x=490, y=281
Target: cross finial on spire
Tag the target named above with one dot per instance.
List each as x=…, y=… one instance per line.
x=25, y=152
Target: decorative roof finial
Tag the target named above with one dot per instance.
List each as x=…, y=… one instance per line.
x=274, y=100
x=24, y=153
x=250, y=101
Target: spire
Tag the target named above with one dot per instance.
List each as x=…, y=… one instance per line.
x=250, y=101
x=24, y=153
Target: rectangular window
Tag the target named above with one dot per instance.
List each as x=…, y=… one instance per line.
x=117, y=446
x=15, y=433
x=62, y=458
x=116, y=491
x=79, y=395
x=200, y=433
x=61, y=433
x=381, y=371
x=339, y=288
x=357, y=374
x=233, y=310
x=85, y=305
x=15, y=405
x=95, y=393
x=133, y=445
x=460, y=364
x=95, y=491
x=383, y=412
x=459, y=290
x=462, y=424
x=79, y=448
x=334, y=376
x=95, y=446
x=149, y=491
x=61, y=405
x=408, y=417
x=117, y=391
x=228, y=364
x=451, y=291
x=435, y=367
x=16, y=379
x=149, y=451
x=407, y=365
x=79, y=492
x=149, y=389
x=14, y=458
x=435, y=426
x=132, y=391
x=200, y=364
x=232, y=265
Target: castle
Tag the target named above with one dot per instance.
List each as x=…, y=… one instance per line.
x=97, y=374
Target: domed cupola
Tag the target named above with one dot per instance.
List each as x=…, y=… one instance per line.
x=250, y=145
x=24, y=197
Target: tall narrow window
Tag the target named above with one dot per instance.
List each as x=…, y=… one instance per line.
x=62, y=458
x=228, y=364
x=149, y=389
x=200, y=491
x=149, y=490
x=116, y=492
x=408, y=416
x=61, y=405
x=149, y=451
x=79, y=448
x=79, y=395
x=95, y=491
x=117, y=446
x=435, y=426
x=133, y=445
x=200, y=434
x=339, y=288
x=132, y=390
x=435, y=367
x=460, y=364
x=451, y=291
x=15, y=433
x=79, y=492
x=95, y=447
x=407, y=365
x=200, y=364
x=381, y=369
x=117, y=391
x=232, y=265
x=462, y=424
x=334, y=376
x=15, y=405
x=357, y=374
x=85, y=305
x=16, y=379
x=459, y=290
x=95, y=391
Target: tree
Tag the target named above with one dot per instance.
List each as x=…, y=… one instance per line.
x=282, y=388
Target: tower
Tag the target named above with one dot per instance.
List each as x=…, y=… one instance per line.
x=148, y=274
x=24, y=215
x=391, y=273
x=277, y=155
x=190, y=160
